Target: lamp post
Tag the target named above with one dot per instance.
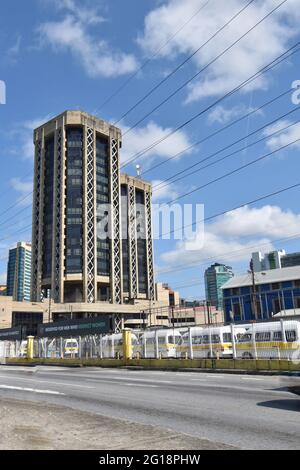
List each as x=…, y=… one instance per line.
x=254, y=304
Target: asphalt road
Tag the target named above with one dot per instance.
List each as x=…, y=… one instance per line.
x=248, y=412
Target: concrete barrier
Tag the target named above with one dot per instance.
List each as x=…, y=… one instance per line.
x=248, y=365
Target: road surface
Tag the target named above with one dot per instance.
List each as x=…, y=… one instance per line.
x=244, y=411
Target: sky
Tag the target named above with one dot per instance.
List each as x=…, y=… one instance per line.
x=104, y=57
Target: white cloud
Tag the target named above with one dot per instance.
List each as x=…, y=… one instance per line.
x=268, y=221
x=86, y=14
x=223, y=115
x=140, y=138
x=72, y=34
x=282, y=138
x=23, y=187
x=24, y=133
x=3, y=278
x=253, y=52
x=163, y=192
x=234, y=236
x=13, y=51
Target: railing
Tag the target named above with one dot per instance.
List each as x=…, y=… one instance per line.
x=278, y=340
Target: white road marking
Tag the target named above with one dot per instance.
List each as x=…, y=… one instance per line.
x=35, y=390
x=251, y=378
x=44, y=381
x=141, y=385
x=140, y=380
x=219, y=376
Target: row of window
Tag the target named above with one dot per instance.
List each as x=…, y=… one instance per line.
x=261, y=287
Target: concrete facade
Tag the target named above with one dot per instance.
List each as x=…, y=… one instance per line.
x=30, y=314
x=78, y=154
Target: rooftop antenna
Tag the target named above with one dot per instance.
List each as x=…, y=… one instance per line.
x=138, y=170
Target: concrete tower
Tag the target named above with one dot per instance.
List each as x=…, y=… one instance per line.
x=77, y=187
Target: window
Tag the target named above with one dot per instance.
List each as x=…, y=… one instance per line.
x=291, y=335
x=277, y=336
x=297, y=283
x=205, y=339
x=226, y=337
x=276, y=285
x=195, y=339
x=245, y=338
x=235, y=291
x=236, y=309
x=215, y=339
x=276, y=305
x=263, y=336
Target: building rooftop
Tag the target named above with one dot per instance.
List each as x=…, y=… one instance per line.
x=264, y=277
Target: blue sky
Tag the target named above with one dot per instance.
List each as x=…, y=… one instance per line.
x=71, y=54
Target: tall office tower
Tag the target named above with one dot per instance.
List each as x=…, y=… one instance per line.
x=19, y=272
x=215, y=276
x=137, y=249
x=77, y=230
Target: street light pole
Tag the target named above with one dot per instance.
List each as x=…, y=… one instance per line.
x=254, y=304
x=49, y=309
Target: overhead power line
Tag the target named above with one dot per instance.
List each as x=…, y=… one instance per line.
x=178, y=67
x=146, y=62
x=205, y=67
x=253, y=201
x=218, y=131
x=232, y=172
x=167, y=181
x=22, y=230
x=284, y=56
x=228, y=253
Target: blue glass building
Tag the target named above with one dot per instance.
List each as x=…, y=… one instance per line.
x=215, y=277
x=19, y=272
x=276, y=290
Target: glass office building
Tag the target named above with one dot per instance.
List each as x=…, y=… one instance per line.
x=19, y=272
x=215, y=276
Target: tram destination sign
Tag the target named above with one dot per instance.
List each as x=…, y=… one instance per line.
x=81, y=327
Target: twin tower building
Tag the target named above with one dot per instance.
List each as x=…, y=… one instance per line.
x=92, y=228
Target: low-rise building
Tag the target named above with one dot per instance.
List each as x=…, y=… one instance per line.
x=274, y=260
x=204, y=314
x=31, y=314
x=272, y=291
x=166, y=294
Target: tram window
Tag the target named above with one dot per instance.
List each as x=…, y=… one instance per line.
x=173, y=339
x=205, y=339
x=245, y=338
x=196, y=339
x=277, y=336
x=263, y=336
x=291, y=335
x=215, y=338
x=226, y=337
